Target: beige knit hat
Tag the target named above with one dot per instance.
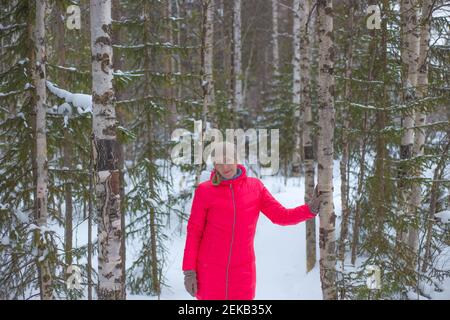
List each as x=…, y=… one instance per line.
x=224, y=152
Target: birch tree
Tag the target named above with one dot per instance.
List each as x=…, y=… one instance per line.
x=420, y=116
x=325, y=149
x=305, y=31
x=237, y=57
x=207, y=69
x=409, y=57
x=39, y=79
x=275, y=50
x=106, y=152
x=296, y=96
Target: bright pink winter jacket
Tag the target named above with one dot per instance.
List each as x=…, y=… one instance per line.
x=221, y=231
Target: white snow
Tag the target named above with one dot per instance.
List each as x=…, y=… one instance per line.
x=444, y=216
x=22, y=217
x=5, y=240
x=83, y=102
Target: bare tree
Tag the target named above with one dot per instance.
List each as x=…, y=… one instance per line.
x=325, y=150
x=420, y=117
x=237, y=56
x=39, y=80
x=207, y=68
x=275, y=49
x=409, y=57
x=106, y=154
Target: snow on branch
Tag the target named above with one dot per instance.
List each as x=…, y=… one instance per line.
x=83, y=102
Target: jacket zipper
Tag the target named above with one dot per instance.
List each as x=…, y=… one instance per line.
x=232, y=238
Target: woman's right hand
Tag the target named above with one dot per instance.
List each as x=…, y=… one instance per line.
x=314, y=203
x=190, y=282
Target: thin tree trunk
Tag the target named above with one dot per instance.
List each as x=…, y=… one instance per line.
x=207, y=71
x=152, y=218
x=420, y=117
x=153, y=250
x=362, y=171
x=381, y=174
x=363, y=150
x=438, y=171
x=409, y=57
x=306, y=30
x=327, y=239
x=106, y=155
x=90, y=247
x=345, y=139
x=297, y=30
x=237, y=54
x=169, y=67
x=275, y=50
x=40, y=110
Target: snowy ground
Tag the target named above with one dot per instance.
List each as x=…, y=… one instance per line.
x=280, y=250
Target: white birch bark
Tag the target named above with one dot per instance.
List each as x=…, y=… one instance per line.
x=275, y=52
x=325, y=150
x=106, y=154
x=306, y=30
x=296, y=161
x=208, y=83
x=420, y=117
x=409, y=56
x=207, y=72
x=39, y=79
x=238, y=97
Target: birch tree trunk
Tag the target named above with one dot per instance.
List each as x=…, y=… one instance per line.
x=208, y=84
x=296, y=32
x=420, y=117
x=106, y=155
x=409, y=57
x=170, y=69
x=306, y=29
x=238, y=98
x=275, y=50
x=207, y=69
x=39, y=80
x=327, y=240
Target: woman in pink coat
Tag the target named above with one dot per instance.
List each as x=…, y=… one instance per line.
x=219, y=257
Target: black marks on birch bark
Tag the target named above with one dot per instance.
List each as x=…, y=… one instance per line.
x=107, y=151
x=104, y=60
x=106, y=98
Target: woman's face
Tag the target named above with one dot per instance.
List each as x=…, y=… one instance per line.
x=226, y=170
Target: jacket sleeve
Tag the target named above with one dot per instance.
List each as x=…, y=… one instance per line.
x=195, y=227
x=278, y=214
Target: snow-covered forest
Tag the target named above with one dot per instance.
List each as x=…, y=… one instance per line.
x=96, y=95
